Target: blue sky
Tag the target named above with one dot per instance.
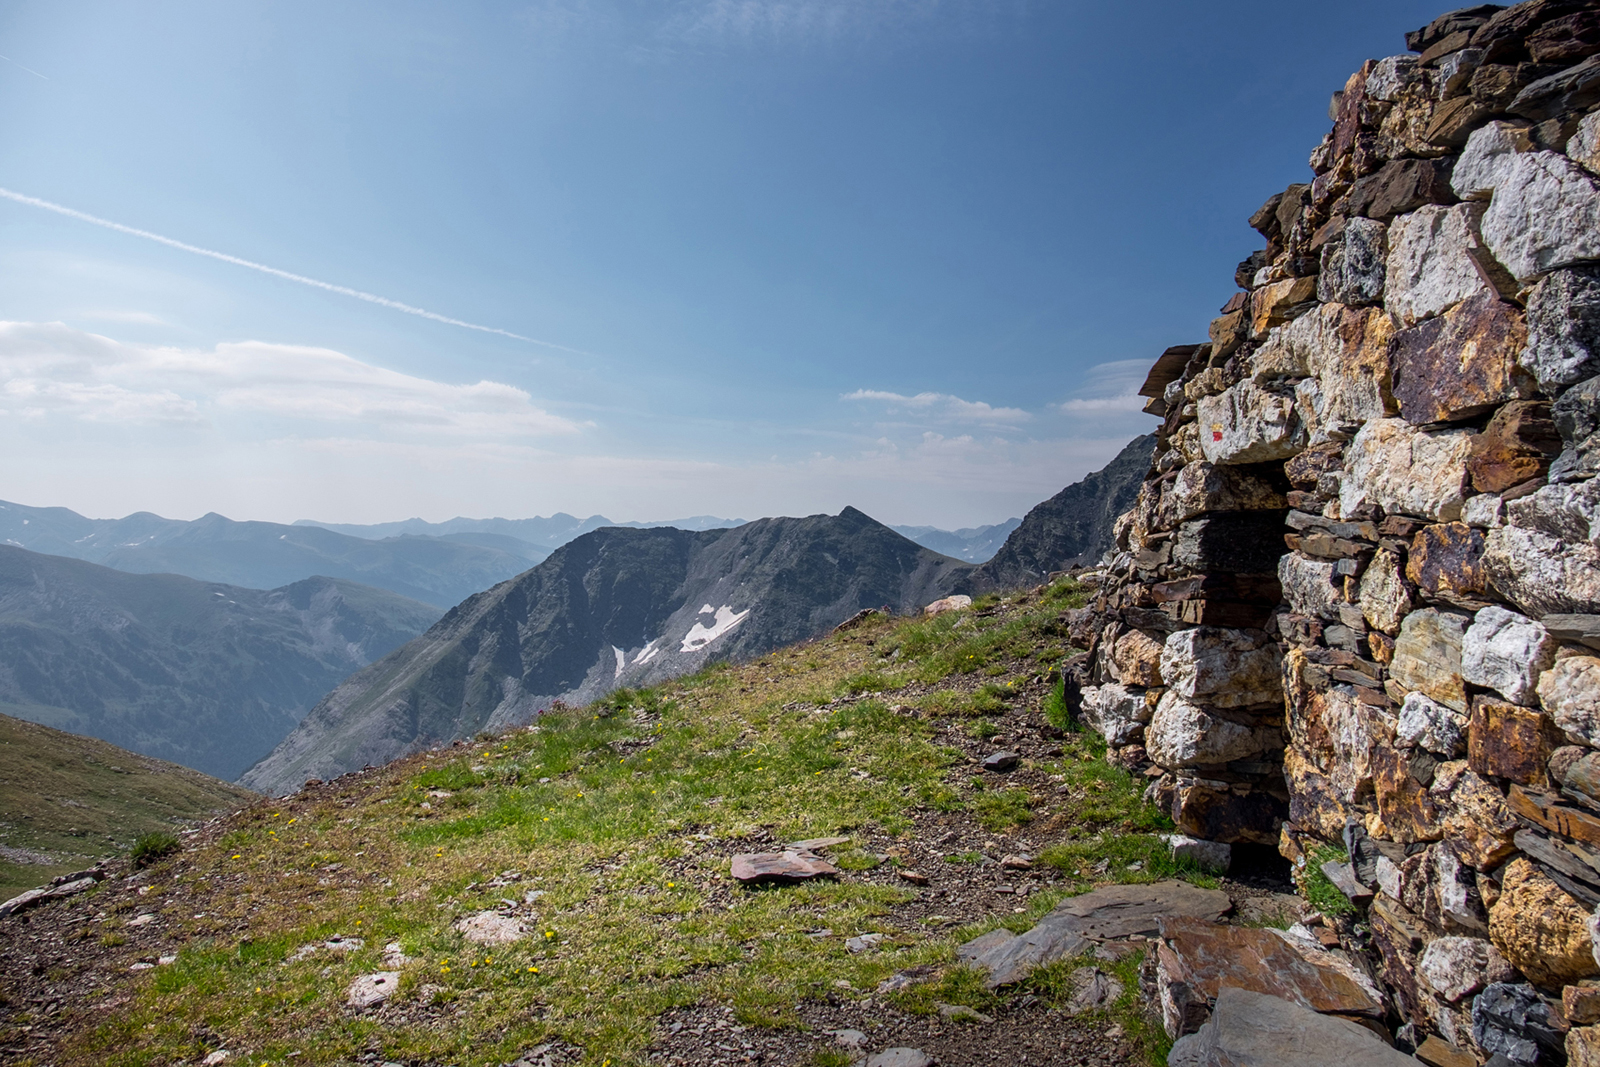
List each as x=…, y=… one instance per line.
x=776, y=256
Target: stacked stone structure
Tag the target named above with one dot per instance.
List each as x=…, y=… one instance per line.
x=1357, y=605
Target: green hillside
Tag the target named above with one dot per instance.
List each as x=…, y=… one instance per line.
x=607, y=833
x=66, y=801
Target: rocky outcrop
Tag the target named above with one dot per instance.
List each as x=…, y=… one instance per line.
x=1410, y=388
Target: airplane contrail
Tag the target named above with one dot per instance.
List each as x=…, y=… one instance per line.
x=30, y=70
x=371, y=298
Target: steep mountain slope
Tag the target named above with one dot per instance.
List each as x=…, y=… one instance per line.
x=1072, y=527
x=975, y=544
x=616, y=607
x=204, y=674
x=66, y=801
x=265, y=555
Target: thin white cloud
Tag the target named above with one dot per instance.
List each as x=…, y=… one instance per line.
x=137, y=318
x=747, y=23
x=50, y=368
x=942, y=406
x=1109, y=389
x=342, y=290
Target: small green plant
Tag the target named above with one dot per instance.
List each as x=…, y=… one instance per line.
x=1319, y=889
x=1056, y=712
x=148, y=848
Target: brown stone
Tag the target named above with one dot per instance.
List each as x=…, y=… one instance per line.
x=1566, y=39
x=1583, y=1046
x=1446, y=562
x=1275, y=304
x=1137, y=658
x=789, y=865
x=1436, y=1052
x=1454, y=120
x=1228, y=332
x=1475, y=820
x=1546, y=811
x=1461, y=364
x=1581, y=1003
x=1408, y=810
x=1539, y=928
x=1400, y=186
x=1304, y=469
x=1264, y=960
x=1517, y=445
x=1511, y=742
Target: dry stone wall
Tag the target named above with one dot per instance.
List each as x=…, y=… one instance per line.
x=1357, y=603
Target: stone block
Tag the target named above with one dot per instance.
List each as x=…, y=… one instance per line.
x=1385, y=596
x=1583, y=1046
x=1354, y=264
x=1484, y=161
x=1575, y=89
x=1431, y=725
x=1453, y=121
x=1429, y=268
x=1570, y=692
x=1248, y=423
x=1473, y=815
x=1461, y=365
x=1577, y=419
x=1117, y=712
x=1581, y=1003
x=1584, y=146
x=1183, y=734
x=1515, y=446
x=1543, y=574
x=1212, y=856
x=1544, y=215
x=1506, y=652
x=1405, y=470
x=1515, y=1022
x=1310, y=586
x=1137, y=658
x=1580, y=629
x=1250, y=1029
x=1228, y=332
x=1446, y=563
x=1510, y=741
x=1427, y=656
x=1566, y=39
x=1457, y=967
x=1204, y=487
x=1275, y=304
x=1563, y=323
x=1539, y=928
x=1223, y=668
x=1400, y=186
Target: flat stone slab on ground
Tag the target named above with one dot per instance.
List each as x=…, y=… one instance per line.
x=1108, y=913
x=491, y=928
x=1249, y=1029
x=1199, y=959
x=1000, y=762
x=790, y=865
x=902, y=1057
x=371, y=989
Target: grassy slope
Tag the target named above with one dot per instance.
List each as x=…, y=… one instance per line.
x=624, y=816
x=73, y=800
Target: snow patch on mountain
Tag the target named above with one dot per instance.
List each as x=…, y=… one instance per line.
x=700, y=635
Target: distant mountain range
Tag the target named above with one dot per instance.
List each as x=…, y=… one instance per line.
x=208, y=675
x=615, y=607
x=263, y=555
x=537, y=537
x=439, y=563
